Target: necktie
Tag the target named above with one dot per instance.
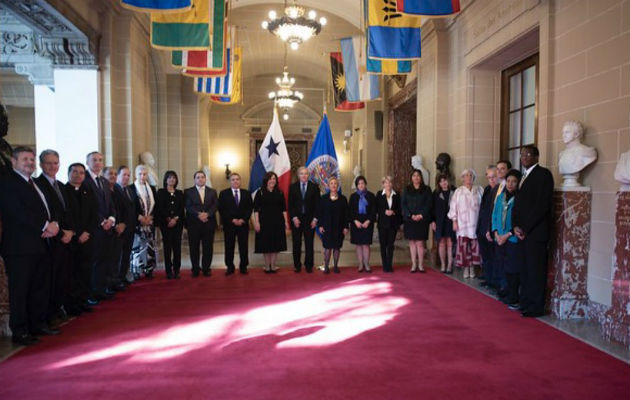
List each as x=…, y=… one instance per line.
x=56, y=187
x=236, y=200
x=202, y=194
x=522, y=180
x=146, y=189
x=98, y=183
x=303, y=194
x=127, y=193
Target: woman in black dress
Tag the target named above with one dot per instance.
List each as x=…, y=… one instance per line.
x=362, y=210
x=270, y=221
x=170, y=219
x=442, y=226
x=332, y=221
x=389, y=218
x=416, y=208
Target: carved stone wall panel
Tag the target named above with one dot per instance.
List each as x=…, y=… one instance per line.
x=568, y=267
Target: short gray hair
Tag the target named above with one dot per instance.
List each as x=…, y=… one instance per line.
x=47, y=152
x=469, y=171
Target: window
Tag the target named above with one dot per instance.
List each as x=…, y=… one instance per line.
x=519, y=111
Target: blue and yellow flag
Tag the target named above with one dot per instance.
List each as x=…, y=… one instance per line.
x=429, y=8
x=157, y=6
x=388, y=67
x=392, y=34
x=189, y=30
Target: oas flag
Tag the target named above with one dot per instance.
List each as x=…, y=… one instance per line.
x=392, y=34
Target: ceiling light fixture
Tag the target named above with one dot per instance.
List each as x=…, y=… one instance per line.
x=294, y=28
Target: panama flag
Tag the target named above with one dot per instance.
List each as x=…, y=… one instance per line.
x=322, y=161
x=272, y=157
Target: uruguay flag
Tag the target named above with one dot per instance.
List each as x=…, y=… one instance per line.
x=322, y=161
x=359, y=85
x=429, y=8
x=272, y=156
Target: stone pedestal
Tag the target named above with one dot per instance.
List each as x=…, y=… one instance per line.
x=616, y=323
x=568, y=297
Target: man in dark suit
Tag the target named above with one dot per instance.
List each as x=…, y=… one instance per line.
x=102, y=235
x=235, y=209
x=303, y=200
x=531, y=218
x=83, y=207
x=130, y=219
x=201, y=222
x=484, y=222
x=57, y=199
x=28, y=225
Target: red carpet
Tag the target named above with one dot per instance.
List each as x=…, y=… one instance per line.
x=288, y=336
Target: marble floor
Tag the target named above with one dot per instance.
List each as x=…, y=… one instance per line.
x=586, y=331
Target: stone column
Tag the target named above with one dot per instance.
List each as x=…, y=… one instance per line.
x=568, y=297
x=616, y=323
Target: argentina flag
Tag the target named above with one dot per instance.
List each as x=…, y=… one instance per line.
x=360, y=86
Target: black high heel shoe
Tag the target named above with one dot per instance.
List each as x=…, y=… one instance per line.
x=326, y=270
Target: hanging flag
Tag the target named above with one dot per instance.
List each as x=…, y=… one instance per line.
x=429, y=8
x=157, y=6
x=359, y=85
x=391, y=34
x=189, y=30
x=219, y=85
x=237, y=91
x=322, y=160
x=388, y=67
x=207, y=60
x=201, y=55
x=272, y=156
x=339, y=85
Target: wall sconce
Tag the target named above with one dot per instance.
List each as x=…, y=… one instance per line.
x=347, y=135
x=227, y=171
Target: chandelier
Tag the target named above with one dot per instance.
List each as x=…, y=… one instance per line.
x=285, y=97
x=293, y=27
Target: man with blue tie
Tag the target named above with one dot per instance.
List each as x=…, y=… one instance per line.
x=201, y=222
x=235, y=209
x=28, y=225
x=102, y=234
x=303, y=200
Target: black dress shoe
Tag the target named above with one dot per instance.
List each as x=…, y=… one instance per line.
x=243, y=271
x=45, y=331
x=336, y=270
x=309, y=270
x=326, y=270
x=24, y=339
x=530, y=314
x=85, y=308
x=74, y=311
x=177, y=276
x=229, y=272
x=195, y=274
x=169, y=275
x=207, y=273
x=121, y=287
x=297, y=270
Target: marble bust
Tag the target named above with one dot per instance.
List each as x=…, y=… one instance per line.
x=356, y=171
x=208, y=172
x=416, y=163
x=148, y=160
x=622, y=172
x=575, y=156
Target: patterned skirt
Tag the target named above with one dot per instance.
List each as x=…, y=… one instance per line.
x=467, y=253
x=143, y=251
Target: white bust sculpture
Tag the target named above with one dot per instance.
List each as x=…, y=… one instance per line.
x=622, y=172
x=208, y=172
x=576, y=156
x=148, y=160
x=416, y=163
x=356, y=171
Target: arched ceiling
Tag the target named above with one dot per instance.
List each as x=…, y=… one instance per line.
x=345, y=9
x=263, y=53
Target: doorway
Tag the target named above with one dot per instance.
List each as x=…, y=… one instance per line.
x=402, y=135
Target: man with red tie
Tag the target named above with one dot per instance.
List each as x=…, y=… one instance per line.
x=28, y=225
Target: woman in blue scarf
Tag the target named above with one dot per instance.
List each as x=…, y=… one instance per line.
x=362, y=207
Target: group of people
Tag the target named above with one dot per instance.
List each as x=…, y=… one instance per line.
x=69, y=246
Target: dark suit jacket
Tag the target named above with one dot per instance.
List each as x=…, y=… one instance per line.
x=194, y=207
x=103, y=197
x=385, y=221
x=124, y=196
x=310, y=201
x=484, y=223
x=60, y=210
x=533, y=204
x=23, y=217
x=228, y=209
x=353, y=206
x=164, y=208
x=83, y=207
